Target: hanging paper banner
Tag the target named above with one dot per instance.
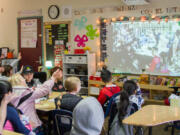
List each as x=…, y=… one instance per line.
x=81, y=41
x=91, y=32
x=80, y=23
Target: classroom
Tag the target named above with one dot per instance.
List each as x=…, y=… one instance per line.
x=86, y=67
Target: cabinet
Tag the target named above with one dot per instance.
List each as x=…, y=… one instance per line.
x=81, y=66
x=155, y=93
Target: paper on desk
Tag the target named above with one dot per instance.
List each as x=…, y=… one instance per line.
x=40, y=99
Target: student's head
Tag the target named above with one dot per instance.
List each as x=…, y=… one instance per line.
x=5, y=88
x=72, y=84
x=106, y=75
x=17, y=80
x=8, y=70
x=55, y=69
x=88, y=117
x=130, y=87
x=28, y=73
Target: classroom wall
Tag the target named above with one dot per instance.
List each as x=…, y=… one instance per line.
x=10, y=8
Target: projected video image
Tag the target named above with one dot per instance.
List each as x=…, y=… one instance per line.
x=155, y=47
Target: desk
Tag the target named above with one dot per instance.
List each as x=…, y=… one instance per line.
x=153, y=115
x=5, y=132
x=48, y=105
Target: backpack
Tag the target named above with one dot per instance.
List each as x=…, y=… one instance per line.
x=116, y=129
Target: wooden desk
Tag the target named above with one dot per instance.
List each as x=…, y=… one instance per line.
x=5, y=132
x=153, y=115
x=48, y=105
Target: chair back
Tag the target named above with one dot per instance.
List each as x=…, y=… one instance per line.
x=111, y=102
x=62, y=121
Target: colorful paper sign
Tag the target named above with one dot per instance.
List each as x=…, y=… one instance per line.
x=91, y=32
x=80, y=23
x=81, y=41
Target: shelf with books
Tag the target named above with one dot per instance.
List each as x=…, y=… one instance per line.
x=152, y=93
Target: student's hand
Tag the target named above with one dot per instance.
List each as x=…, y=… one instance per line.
x=8, y=97
x=56, y=74
x=19, y=56
x=21, y=70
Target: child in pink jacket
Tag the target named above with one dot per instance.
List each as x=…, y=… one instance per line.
x=28, y=106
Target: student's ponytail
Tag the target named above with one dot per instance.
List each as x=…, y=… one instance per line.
x=123, y=105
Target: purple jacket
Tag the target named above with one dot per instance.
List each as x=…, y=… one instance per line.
x=28, y=106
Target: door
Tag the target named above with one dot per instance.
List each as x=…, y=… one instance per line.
x=31, y=52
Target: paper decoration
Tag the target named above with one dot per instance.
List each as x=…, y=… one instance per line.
x=81, y=41
x=80, y=23
x=91, y=32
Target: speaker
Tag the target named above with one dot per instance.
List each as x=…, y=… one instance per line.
x=67, y=12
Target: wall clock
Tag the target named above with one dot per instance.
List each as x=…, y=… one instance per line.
x=53, y=12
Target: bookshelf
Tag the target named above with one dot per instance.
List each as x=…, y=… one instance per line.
x=155, y=96
x=81, y=66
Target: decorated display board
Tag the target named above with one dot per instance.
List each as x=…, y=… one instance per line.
x=56, y=37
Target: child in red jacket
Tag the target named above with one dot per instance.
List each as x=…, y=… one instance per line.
x=110, y=89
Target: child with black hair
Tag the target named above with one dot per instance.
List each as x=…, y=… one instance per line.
x=12, y=113
x=125, y=107
x=110, y=89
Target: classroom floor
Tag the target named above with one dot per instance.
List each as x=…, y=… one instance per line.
x=157, y=130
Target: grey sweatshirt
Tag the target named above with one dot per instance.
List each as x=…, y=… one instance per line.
x=88, y=117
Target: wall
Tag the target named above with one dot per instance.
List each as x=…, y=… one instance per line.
x=8, y=17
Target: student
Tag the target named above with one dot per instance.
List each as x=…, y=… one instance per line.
x=28, y=74
x=14, y=63
x=3, y=109
x=12, y=114
x=110, y=89
x=70, y=100
x=7, y=70
x=126, y=107
x=28, y=105
x=58, y=85
x=88, y=117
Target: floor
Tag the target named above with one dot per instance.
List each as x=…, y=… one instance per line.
x=157, y=130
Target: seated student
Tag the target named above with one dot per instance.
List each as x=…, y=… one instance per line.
x=70, y=100
x=2, y=68
x=58, y=85
x=28, y=105
x=88, y=117
x=28, y=74
x=127, y=105
x=110, y=89
x=12, y=113
x=3, y=109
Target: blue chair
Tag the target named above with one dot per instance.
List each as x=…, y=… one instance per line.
x=62, y=121
x=112, y=101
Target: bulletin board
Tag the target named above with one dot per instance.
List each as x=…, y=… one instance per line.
x=56, y=37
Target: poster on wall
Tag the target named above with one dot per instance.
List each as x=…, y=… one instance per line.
x=28, y=33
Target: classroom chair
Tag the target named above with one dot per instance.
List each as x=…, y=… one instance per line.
x=62, y=121
x=42, y=76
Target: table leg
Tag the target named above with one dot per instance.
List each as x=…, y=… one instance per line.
x=150, y=130
x=172, y=131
